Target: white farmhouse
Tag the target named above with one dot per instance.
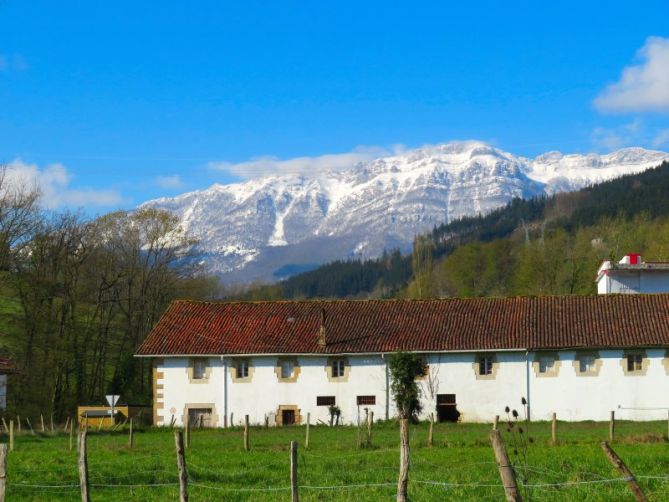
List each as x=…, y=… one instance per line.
x=579, y=356
x=632, y=275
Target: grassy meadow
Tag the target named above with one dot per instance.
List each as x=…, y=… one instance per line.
x=460, y=465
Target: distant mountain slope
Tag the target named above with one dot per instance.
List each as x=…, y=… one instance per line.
x=249, y=231
x=628, y=198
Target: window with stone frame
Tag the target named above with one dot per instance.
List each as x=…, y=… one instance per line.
x=287, y=368
x=242, y=368
x=546, y=364
x=586, y=363
x=199, y=369
x=634, y=363
x=485, y=365
x=338, y=368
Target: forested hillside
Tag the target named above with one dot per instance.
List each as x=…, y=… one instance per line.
x=547, y=245
x=77, y=296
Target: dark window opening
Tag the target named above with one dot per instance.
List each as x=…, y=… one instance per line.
x=338, y=366
x=634, y=362
x=325, y=400
x=447, y=410
x=199, y=417
x=366, y=400
x=485, y=366
x=242, y=369
x=287, y=417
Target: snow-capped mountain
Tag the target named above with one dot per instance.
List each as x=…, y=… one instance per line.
x=253, y=230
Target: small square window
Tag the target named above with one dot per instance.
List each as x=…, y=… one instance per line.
x=325, y=401
x=485, y=365
x=338, y=366
x=546, y=364
x=242, y=369
x=634, y=362
x=199, y=417
x=586, y=364
x=366, y=400
x=199, y=369
x=287, y=368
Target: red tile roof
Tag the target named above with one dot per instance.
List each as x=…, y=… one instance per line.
x=411, y=325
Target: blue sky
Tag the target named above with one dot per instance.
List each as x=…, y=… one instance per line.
x=108, y=104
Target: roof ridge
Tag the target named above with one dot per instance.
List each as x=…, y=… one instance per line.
x=409, y=300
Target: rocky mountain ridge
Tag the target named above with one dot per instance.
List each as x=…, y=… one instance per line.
x=258, y=229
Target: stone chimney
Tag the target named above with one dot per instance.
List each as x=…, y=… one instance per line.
x=321, y=332
x=631, y=259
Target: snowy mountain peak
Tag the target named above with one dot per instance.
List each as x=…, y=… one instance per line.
x=249, y=230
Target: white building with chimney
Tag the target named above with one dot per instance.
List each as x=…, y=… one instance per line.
x=632, y=275
x=578, y=356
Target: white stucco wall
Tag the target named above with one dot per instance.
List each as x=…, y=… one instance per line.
x=617, y=281
x=179, y=391
x=571, y=396
x=575, y=397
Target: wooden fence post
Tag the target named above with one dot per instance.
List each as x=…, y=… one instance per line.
x=11, y=435
x=495, y=424
x=83, y=467
x=130, y=438
x=306, y=434
x=187, y=432
x=41, y=418
x=612, y=426
x=247, y=446
x=430, y=435
x=294, y=494
x=3, y=471
x=181, y=464
x=506, y=472
x=554, y=429
x=370, y=424
x=624, y=470
x=403, y=478
x=71, y=433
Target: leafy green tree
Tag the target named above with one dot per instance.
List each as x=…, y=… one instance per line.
x=404, y=368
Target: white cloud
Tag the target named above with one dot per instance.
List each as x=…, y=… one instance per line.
x=661, y=139
x=608, y=139
x=53, y=182
x=173, y=181
x=642, y=87
x=267, y=166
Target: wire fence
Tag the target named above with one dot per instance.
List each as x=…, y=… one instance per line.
x=372, y=471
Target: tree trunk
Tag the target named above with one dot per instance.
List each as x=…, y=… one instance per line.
x=403, y=480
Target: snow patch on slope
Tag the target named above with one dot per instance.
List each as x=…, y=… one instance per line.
x=376, y=205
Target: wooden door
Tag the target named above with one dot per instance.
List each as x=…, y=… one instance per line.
x=288, y=417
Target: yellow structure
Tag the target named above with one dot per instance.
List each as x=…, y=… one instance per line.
x=92, y=416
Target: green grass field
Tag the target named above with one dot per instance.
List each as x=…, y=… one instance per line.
x=460, y=465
